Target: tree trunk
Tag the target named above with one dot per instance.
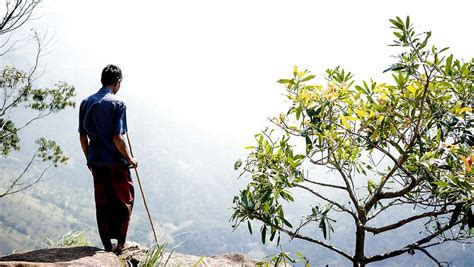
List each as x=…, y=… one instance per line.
x=359, y=257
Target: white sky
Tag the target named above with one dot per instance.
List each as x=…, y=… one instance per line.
x=215, y=63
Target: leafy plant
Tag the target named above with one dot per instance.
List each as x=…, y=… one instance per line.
x=72, y=239
x=199, y=261
x=19, y=92
x=283, y=259
x=156, y=256
x=405, y=144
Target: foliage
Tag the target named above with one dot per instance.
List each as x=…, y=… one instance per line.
x=199, y=261
x=408, y=143
x=71, y=239
x=19, y=95
x=17, y=92
x=283, y=259
x=156, y=256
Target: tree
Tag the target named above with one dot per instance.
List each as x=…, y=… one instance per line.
x=18, y=92
x=407, y=144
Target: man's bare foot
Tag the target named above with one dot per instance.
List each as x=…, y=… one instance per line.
x=119, y=249
x=107, y=244
x=108, y=248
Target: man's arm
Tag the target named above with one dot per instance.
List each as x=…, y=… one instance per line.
x=123, y=149
x=84, y=144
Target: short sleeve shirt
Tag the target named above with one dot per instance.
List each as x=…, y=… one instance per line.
x=101, y=116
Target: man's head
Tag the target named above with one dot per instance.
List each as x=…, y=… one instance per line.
x=111, y=77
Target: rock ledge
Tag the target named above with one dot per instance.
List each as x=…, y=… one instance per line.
x=93, y=256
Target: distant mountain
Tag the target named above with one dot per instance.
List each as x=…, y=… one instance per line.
x=189, y=181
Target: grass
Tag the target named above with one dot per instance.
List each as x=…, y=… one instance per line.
x=71, y=239
x=156, y=255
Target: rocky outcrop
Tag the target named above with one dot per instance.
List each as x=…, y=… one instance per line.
x=136, y=253
x=92, y=256
x=62, y=256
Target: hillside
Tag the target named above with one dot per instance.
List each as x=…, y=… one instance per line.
x=189, y=184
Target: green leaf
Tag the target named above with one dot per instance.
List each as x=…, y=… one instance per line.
x=397, y=146
x=309, y=144
x=299, y=254
x=444, y=49
x=237, y=164
x=310, y=77
x=264, y=233
x=199, y=261
x=322, y=226
x=287, y=196
x=287, y=223
x=441, y=183
x=344, y=121
x=449, y=62
x=399, y=20
x=399, y=35
x=284, y=81
x=244, y=198
x=298, y=113
x=360, y=89
x=395, y=67
x=250, y=227
x=439, y=134
x=397, y=24
x=272, y=236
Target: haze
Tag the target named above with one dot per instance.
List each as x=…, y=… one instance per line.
x=200, y=81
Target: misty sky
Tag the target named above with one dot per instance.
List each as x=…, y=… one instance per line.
x=214, y=64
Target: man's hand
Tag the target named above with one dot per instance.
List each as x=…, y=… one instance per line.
x=133, y=163
x=119, y=142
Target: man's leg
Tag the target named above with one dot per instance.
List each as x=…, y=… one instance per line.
x=123, y=187
x=102, y=192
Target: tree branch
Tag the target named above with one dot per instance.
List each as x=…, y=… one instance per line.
x=390, y=204
x=429, y=256
x=378, y=230
x=18, y=16
x=327, y=199
x=7, y=192
x=29, y=185
x=326, y=185
x=348, y=188
x=412, y=246
x=29, y=79
x=319, y=242
x=38, y=117
x=11, y=189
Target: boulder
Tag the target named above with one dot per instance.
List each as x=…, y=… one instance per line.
x=62, y=256
x=135, y=253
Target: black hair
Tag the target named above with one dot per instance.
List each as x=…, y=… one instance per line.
x=111, y=75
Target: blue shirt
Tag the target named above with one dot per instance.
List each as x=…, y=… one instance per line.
x=101, y=116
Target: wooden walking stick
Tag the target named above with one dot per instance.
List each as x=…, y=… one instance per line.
x=141, y=190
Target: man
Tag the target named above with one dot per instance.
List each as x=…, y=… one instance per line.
x=102, y=124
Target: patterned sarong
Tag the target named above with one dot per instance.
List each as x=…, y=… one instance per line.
x=114, y=196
